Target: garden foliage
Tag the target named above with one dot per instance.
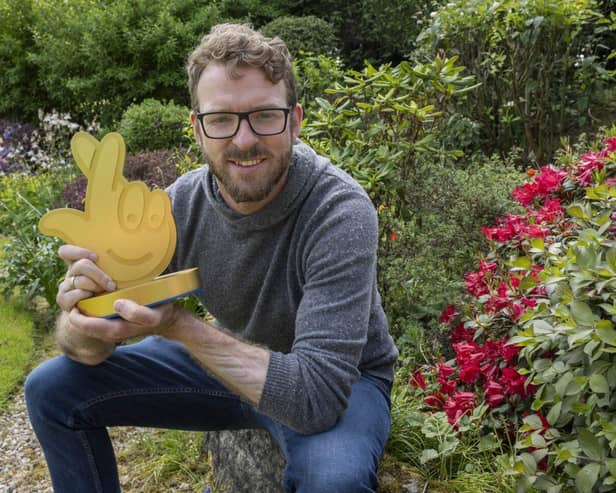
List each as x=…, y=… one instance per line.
x=541, y=68
x=385, y=127
x=308, y=34
x=152, y=125
x=534, y=341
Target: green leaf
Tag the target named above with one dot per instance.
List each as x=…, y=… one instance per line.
x=611, y=466
x=590, y=444
x=521, y=263
x=607, y=335
x=427, y=455
x=582, y=313
x=586, y=478
x=610, y=257
x=598, y=383
x=578, y=211
x=554, y=413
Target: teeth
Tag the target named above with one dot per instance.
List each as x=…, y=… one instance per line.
x=252, y=162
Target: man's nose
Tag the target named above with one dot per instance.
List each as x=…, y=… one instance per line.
x=245, y=138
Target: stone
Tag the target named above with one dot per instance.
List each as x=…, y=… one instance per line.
x=245, y=460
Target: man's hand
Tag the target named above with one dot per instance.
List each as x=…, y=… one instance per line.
x=136, y=320
x=83, y=277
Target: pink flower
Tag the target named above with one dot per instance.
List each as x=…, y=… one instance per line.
x=589, y=163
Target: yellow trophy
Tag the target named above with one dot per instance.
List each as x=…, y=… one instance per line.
x=129, y=227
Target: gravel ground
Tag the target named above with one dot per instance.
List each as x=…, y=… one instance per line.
x=22, y=465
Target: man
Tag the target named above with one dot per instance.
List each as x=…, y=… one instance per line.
x=285, y=244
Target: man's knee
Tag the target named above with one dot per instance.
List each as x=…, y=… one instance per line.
x=45, y=385
x=334, y=468
x=348, y=479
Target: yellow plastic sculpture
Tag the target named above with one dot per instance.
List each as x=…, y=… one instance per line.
x=130, y=228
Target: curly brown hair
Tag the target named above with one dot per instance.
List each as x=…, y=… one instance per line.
x=236, y=46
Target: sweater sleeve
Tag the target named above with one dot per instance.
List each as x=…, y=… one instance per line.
x=307, y=389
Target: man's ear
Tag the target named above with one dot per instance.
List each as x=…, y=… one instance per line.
x=196, y=128
x=297, y=114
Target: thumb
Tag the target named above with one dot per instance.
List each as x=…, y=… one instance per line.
x=63, y=223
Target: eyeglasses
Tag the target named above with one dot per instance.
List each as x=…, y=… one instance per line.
x=225, y=124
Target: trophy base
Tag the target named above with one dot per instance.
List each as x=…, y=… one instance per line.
x=162, y=289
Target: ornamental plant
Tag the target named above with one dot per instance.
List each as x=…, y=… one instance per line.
x=532, y=344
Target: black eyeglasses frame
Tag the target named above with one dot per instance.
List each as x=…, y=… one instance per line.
x=243, y=115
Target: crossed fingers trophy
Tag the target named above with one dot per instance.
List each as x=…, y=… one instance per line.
x=129, y=227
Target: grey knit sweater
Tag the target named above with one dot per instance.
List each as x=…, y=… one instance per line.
x=298, y=276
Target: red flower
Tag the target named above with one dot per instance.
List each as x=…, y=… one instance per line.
x=549, y=180
x=445, y=370
x=515, y=383
x=458, y=405
x=461, y=334
x=435, y=400
x=495, y=395
x=417, y=380
x=469, y=372
x=525, y=194
x=448, y=387
x=393, y=236
x=448, y=315
x=510, y=351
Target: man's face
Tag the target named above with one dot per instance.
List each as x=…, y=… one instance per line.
x=250, y=169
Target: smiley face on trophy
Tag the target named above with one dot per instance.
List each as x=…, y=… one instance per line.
x=129, y=227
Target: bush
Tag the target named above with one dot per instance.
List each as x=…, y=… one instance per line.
x=21, y=94
x=31, y=265
x=542, y=68
x=308, y=34
x=422, y=259
x=28, y=149
x=152, y=125
x=534, y=340
x=314, y=74
x=95, y=59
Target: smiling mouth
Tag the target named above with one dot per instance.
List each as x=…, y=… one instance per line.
x=129, y=261
x=248, y=163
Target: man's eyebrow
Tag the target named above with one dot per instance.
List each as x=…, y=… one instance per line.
x=252, y=108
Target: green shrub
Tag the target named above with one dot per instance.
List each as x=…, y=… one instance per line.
x=422, y=259
x=95, y=59
x=542, y=68
x=31, y=265
x=21, y=94
x=569, y=340
x=152, y=125
x=309, y=34
x=314, y=74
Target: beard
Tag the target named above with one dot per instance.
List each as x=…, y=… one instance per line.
x=250, y=189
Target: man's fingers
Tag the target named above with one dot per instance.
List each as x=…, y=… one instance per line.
x=72, y=253
x=111, y=330
x=97, y=280
x=137, y=314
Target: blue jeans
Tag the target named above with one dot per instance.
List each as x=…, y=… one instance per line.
x=155, y=383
